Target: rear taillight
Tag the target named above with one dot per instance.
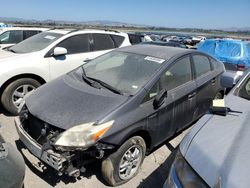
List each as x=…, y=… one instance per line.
x=241, y=67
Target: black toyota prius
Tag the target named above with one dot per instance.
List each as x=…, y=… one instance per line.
x=118, y=107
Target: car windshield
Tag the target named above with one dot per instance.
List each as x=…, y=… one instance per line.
x=36, y=42
x=126, y=72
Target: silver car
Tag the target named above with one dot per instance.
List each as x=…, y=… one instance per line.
x=216, y=152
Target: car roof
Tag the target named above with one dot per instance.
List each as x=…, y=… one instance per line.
x=163, y=52
x=227, y=40
x=23, y=28
x=65, y=31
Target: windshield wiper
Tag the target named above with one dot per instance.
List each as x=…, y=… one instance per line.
x=93, y=82
x=109, y=87
x=11, y=50
x=89, y=81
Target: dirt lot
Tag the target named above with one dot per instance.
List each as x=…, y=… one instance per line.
x=152, y=174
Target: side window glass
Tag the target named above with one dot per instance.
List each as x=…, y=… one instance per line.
x=118, y=40
x=153, y=92
x=28, y=33
x=10, y=37
x=201, y=64
x=15, y=36
x=178, y=74
x=134, y=39
x=4, y=37
x=102, y=42
x=244, y=91
x=76, y=44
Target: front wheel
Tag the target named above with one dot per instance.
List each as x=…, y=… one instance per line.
x=124, y=164
x=13, y=95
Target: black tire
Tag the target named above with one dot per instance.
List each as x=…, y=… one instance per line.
x=6, y=98
x=111, y=165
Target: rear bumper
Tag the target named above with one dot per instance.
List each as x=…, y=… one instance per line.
x=49, y=157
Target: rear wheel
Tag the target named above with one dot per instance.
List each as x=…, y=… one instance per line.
x=124, y=164
x=13, y=95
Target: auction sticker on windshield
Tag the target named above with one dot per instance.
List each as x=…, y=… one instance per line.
x=49, y=37
x=154, y=59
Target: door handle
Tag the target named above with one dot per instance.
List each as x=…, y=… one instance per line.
x=190, y=96
x=87, y=60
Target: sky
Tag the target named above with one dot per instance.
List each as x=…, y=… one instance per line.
x=207, y=14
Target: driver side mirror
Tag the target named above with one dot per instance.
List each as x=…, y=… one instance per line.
x=159, y=99
x=60, y=51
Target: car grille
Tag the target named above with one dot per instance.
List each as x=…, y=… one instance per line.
x=40, y=130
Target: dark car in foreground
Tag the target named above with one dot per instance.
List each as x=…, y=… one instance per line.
x=12, y=166
x=216, y=152
x=117, y=107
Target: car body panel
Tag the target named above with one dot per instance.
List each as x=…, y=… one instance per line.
x=12, y=166
x=217, y=146
x=80, y=103
x=69, y=101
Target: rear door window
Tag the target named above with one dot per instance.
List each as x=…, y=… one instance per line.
x=202, y=65
x=102, y=42
x=76, y=44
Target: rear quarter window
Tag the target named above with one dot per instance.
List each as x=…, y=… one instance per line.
x=102, y=42
x=117, y=39
x=135, y=39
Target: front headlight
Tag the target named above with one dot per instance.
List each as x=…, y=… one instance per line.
x=83, y=136
x=183, y=175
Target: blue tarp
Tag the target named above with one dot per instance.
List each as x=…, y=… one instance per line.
x=227, y=50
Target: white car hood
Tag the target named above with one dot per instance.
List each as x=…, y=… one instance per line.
x=8, y=57
x=4, y=54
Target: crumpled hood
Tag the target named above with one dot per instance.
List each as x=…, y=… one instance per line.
x=220, y=151
x=66, y=102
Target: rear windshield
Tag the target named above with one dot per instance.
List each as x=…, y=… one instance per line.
x=36, y=42
x=228, y=49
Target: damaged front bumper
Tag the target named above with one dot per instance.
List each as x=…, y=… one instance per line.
x=49, y=157
x=70, y=162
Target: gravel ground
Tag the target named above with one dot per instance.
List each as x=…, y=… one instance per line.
x=152, y=173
